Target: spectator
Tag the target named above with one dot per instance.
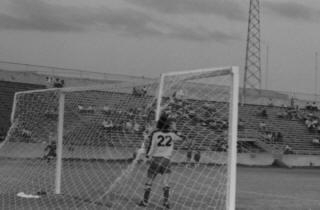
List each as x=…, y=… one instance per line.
x=136, y=126
x=180, y=94
x=241, y=124
x=269, y=136
x=314, y=106
x=224, y=147
x=288, y=150
x=283, y=114
x=139, y=91
x=278, y=137
x=84, y=109
x=308, y=123
x=134, y=91
x=49, y=81
x=58, y=83
x=189, y=151
x=316, y=141
x=270, y=103
x=130, y=113
x=174, y=126
x=314, y=123
x=262, y=113
x=263, y=126
x=292, y=113
x=106, y=109
x=90, y=108
x=80, y=108
x=107, y=124
x=213, y=124
x=129, y=125
x=310, y=115
x=25, y=133
x=224, y=124
x=308, y=107
x=144, y=90
x=197, y=157
x=191, y=113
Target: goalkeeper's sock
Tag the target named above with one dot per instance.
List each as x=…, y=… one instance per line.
x=147, y=192
x=166, y=195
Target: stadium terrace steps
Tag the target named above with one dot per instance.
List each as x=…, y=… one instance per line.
x=295, y=133
x=81, y=127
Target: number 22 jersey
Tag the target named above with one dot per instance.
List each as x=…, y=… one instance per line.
x=162, y=144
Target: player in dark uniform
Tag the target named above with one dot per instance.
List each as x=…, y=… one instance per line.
x=197, y=157
x=50, y=151
x=160, y=151
x=189, y=152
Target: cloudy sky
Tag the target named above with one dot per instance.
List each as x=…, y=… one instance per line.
x=148, y=37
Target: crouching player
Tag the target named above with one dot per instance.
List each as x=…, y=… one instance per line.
x=50, y=151
x=160, y=151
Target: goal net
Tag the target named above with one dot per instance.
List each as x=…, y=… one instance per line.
x=83, y=148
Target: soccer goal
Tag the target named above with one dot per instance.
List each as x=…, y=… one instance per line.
x=83, y=148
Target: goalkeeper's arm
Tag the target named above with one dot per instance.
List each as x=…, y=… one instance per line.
x=150, y=148
x=142, y=149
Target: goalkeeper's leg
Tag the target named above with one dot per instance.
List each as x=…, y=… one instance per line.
x=151, y=175
x=147, y=191
x=166, y=190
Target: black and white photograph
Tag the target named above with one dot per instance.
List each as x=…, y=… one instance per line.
x=159, y=104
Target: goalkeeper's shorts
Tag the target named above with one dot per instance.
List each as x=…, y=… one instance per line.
x=159, y=165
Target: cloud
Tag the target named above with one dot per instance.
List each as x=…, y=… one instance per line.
x=292, y=10
x=44, y=16
x=200, y=34
x=130, y=22
x=37, y=15
x=17, y=23
x=228, y=9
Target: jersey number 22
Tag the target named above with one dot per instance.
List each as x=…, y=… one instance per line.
x=164, y=141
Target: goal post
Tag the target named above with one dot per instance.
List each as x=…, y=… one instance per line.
x=59, y=143
x=98, y=131
x=233, y=137
x=233, y=119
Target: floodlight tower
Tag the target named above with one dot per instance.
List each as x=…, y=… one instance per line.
x=252, y=69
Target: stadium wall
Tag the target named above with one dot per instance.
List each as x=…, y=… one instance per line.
x=36, y=150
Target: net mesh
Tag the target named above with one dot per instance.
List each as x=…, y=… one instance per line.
x=103, y=164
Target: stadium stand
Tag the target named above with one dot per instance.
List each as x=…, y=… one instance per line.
x=293, y=131
x=84, y=125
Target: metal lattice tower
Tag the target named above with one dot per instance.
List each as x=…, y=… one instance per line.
x=252, y=71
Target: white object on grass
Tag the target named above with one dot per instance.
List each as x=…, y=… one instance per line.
x=24, y=195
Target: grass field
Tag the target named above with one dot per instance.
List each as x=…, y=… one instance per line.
x=84, y=182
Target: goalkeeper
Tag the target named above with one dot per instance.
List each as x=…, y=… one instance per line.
x=160, y=151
